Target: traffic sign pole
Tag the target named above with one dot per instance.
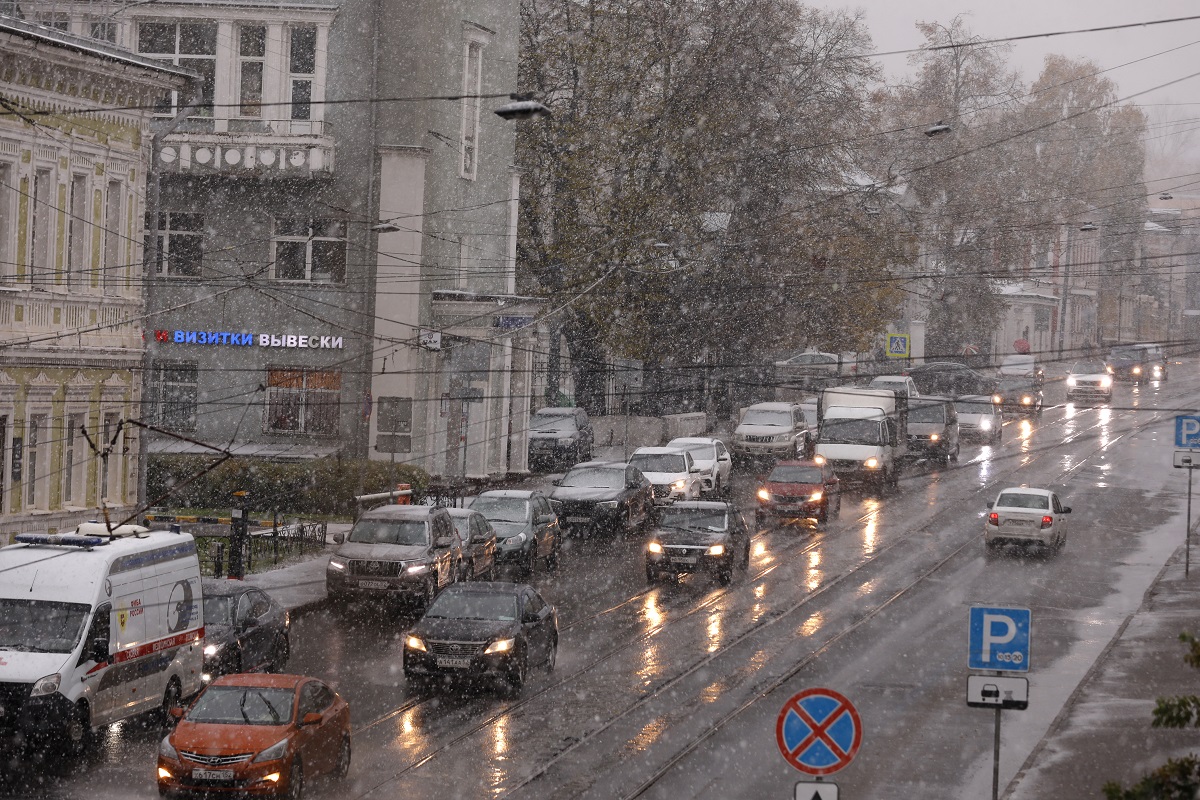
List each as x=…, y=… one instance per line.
x=1187, y=530
x=996, y=760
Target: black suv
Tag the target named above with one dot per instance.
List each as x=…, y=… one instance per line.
x=1138, y=362
x=698, y=536
x=558, y=435
x=603, y=496
x=1020, y=396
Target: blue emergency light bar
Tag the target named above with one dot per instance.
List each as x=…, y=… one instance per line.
x=67, y=539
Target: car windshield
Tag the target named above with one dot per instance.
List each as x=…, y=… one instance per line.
x=1088, y=368
x=973, y=407
x=595, y=478
x=792, y=474
x=701, y=451
x=389, y=531
x=850, y=431
x=762, y=416
x=501, y=509
x=1037, y=502
x=701, y=518
x=463, y=526
x=1127, y=353
x=659, y=462
x=927, y=413
x=243, y=705
x=1017, y=363
x=1014, y=385
x=218, y=610
x=474, y=605
x=552, y=423
x=41, y=626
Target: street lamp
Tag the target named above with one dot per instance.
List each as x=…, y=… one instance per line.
x=937, y=130
x=522, y=107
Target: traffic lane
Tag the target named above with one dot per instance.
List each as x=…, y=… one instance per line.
x=906, y=668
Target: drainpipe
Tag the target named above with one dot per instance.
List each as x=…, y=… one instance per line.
x=150, y=262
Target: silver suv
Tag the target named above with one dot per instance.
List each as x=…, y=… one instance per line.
x=777, y=430
x=403, y=552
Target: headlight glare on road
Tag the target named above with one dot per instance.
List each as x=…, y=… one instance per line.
x=717, y=550
x=816, y=496
x=414, y=643
x=654, y=547
x=500, y=646
x=764, y=495
x=871, y=463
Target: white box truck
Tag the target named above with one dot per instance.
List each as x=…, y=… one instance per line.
x=96, y=627
x=863, y=433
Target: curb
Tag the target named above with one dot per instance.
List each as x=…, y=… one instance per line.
x=1057, y=723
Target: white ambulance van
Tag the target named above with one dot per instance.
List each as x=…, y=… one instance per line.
x=94, y=628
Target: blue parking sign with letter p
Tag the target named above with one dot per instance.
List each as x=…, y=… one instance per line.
x=1187, y=431
x=998, y=638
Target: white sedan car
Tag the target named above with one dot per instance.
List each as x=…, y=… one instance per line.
x=1090, y=379
x=1026, y=517
x=713, y=459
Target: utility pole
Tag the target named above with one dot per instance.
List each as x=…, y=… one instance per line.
x=1065, y=288
x=239, y=535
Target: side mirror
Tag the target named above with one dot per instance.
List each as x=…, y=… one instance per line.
x=530, y=618
x=99, y=650
x=482, y=538
x=694, y=470
x=556, y=482
x=176, y=712
x=442, y=542
x=339, y=538
x=311, y=718
x=723, y=457
x=1066, y=510
x=990, y=504
x=545, y=519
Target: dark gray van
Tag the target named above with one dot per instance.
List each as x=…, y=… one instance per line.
x=933, y=429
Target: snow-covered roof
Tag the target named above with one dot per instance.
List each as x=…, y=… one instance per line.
x=56, y=38
x=1154, y=227
x=1023, y=289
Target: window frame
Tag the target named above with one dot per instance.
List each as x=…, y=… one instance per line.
x=156, y=389
x=472, y=86
x=310, y=240
x=280, y=398
x=204, y=112
x=166, y=265
x=240, y=104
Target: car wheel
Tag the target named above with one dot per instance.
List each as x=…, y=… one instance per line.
x=516, y=678
x=628, y=526
x=760, y=518
x=746, y=555
x=717, y=488
x=652, y=576
x=555, y=557
x=552, y=655
x=823, y=516
x=725, y=574
x=493, y=572
x=837, y=507
x=997, y=436
x=954, y=455
x=283, y=651
x=295, y=788
x=429, y=593
x=78, y=737
x=343, y=763
x=171, y=699
x=531, y=562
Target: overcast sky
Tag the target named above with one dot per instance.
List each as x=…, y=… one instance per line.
x=891, y=23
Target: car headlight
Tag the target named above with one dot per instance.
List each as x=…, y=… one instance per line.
x=608, y=504
x=500, y=646
x=414, y=569
x=1071, y=380
x=1137, y=370
x=414, y=643
x=1106, y=381
x=871, y=463
x=997, y=399
x=167, y=750
x=1157, y=370
x=819, y=459
x=816, y=496
x=212, y=649
x=781, y=437
x=1026, y=400
x=739, y=437
x=764, y=495
x=985, y=424
x=1109, y=369
x=564, y=441
x=678, y=485
x=654, y=547
x=717, y=550
x=273, y=753
x=518, y=539
x=46, y=685
x=337, y=564
x=933, y=437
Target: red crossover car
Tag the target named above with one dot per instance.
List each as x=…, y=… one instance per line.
x=798, y=489
x=256, y=735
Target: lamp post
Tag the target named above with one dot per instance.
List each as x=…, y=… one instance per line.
x=1065, y=291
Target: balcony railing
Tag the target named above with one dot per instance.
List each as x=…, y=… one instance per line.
x=252, y=147
x=104, y=322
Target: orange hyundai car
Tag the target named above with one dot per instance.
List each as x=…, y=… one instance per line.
x=256, y=735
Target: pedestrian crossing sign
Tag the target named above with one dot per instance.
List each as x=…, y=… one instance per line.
x=897, y=345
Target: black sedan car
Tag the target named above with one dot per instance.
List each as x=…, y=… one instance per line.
x=950, y=378
x=698, y=536
x=1019, y=396
x=604, y=496
x=479, y=545
x=244, y=630
x=490, y=632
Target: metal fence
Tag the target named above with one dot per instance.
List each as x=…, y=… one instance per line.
x=279, y=543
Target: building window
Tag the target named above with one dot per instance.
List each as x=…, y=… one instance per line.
x=102, y=30
x=472, y=84
x=7, y=190
x=40, y=269
x=191, y=45
x=394, y=433
x=252, y=53
x=302, y=66
x=1041, y=318
x=59, y=20
x=75, y=456
x=77, y=232
x=113, y=268
x=303, y=401
x=4, y=450
x=180, y=244
x=172, y=395
x=36, y=462
x=311, y=250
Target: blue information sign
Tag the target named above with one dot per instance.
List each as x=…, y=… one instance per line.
x=998, y=638
x=897, y=345
x=1187, y=431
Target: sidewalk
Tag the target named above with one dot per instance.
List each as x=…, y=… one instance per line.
x=300, y=588
x=1103, y=733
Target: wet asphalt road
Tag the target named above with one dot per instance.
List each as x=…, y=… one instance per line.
x=673, y=691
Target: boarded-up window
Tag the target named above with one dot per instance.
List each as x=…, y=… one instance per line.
x=303, y=401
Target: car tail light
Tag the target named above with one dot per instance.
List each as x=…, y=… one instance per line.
x=994, y=518
x=1047, y=521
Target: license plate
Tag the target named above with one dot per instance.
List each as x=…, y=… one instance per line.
x=453, y=663
x=372, y=584
x=212, y=774
x=579, y=519
x=684, y=559
x=1016, y=523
